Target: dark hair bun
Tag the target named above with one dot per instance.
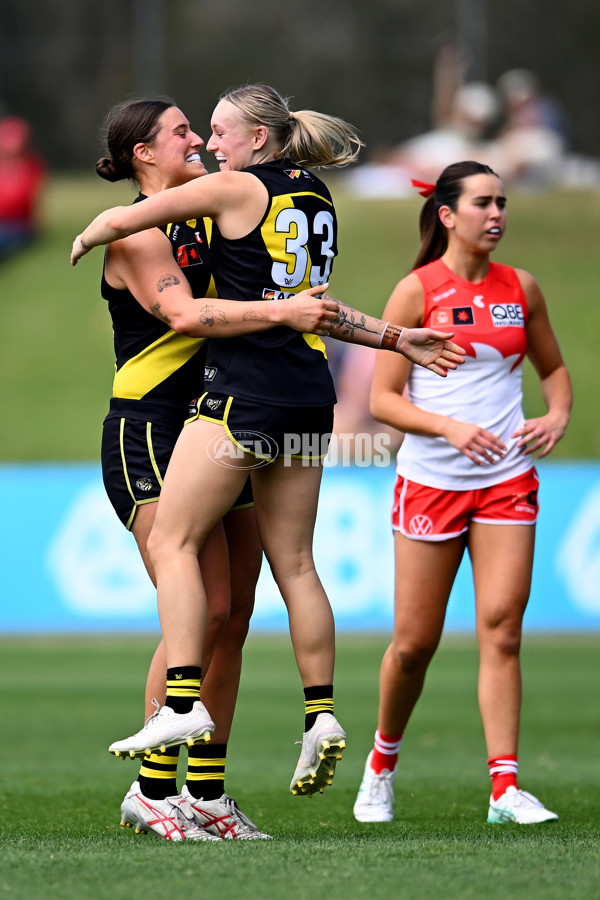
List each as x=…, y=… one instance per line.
x=107, y=169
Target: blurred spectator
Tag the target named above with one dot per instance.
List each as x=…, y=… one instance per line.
x=462, y=117
x=463, y=136
x=22, y=173
x=534, y=137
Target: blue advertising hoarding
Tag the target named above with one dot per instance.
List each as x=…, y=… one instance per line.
x=68, y=565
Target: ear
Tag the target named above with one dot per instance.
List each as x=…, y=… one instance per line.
x=446, y=216
x=143, y=153
x=260, y=137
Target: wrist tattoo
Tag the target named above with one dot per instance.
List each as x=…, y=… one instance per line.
x=167, y=281
x=390, y=337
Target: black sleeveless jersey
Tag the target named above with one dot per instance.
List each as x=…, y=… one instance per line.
x=291, y=249
x=155, y=367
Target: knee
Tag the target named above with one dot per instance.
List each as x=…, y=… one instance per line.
x=236, y=632
x=412, y=658
x=503, y=635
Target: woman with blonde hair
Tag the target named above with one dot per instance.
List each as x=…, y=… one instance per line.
x=266, y=407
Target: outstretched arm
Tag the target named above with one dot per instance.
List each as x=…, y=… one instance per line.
x=431, y=349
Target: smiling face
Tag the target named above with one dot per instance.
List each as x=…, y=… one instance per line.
x=479, y=220
x=235, y=143
x=174, y=154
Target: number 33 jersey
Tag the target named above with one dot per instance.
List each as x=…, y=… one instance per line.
x=488, y=319
x=291, y=249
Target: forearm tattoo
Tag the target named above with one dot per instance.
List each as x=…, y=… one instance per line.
x=351, y=322
x=254, y=315
x=167, y=281
x=211, y=315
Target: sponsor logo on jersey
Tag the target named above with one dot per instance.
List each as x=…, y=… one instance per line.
x=144, y=484
x=270, y=294
x=209, y=373
x=188, y=255
x=441, y=317
x=478, y=301
x=198, y=238
x=443, y=296
x=420, y=525
x=296, y=173
x=462, y=315
x=507, y=314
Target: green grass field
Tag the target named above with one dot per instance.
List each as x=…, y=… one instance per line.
x=56, y=342
x=65, y=699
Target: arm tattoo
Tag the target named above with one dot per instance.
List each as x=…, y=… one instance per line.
x=167, y=281
x=210, y=315
x=155, y=310
x=349, y=323
x=253, y=315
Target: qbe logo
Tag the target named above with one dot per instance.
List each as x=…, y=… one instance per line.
x=507, y=314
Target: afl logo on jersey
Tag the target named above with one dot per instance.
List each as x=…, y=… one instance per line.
x=296, y=173
x=420, y=526
x=507, y=314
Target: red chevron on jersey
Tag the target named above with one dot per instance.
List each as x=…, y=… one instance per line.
x=489, y=320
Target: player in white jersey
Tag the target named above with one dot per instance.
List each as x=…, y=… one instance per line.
x=465, y=475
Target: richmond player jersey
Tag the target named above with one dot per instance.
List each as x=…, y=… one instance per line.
x=488, y=319
x=154, y=365
x=291, y=249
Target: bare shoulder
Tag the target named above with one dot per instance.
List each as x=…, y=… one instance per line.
x=531, y=289
x=407, y=302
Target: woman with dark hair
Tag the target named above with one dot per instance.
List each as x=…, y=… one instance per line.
x=267, y=404
x=465, y=475
x=160, y=349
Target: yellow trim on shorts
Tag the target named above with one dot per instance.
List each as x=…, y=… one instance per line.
x=151, y=453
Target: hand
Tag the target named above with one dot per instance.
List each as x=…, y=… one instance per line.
x=310, y=311
x=540, y=434
x=430, y=349
x=79, y=250
x=479, y=445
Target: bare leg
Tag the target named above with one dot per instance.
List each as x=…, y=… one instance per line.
x=425, y=571
x=221, y=682
x=286, y=495
x=502, y=558
x=214, y=564
x=196, y=493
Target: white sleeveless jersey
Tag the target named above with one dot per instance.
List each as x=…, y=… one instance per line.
x=488, y=320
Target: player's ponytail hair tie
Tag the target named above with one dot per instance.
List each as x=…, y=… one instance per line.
x=424, y=187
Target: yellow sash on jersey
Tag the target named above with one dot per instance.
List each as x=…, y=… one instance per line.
x=141, y=374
